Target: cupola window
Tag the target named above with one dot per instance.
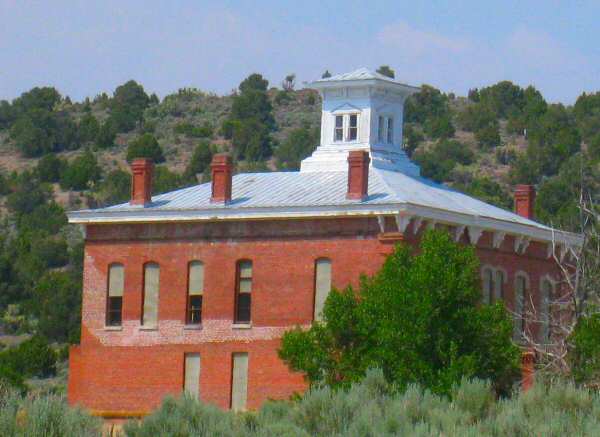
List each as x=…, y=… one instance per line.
x=339, y=128
x=353, y=127
x=345, y=128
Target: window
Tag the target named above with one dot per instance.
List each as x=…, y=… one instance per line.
x=339, y=128
x=239, y=382
x=195, y=291
x=380, y=128
x=353, y=127
x=390, y=130
x=151, y=284
x=322, y=285
x=547, y=290
x=191, y=376
x=114, y=304
x=499, y=286
x=488, y=285
x=519, y=307
x=243, y=292
x=346, y=127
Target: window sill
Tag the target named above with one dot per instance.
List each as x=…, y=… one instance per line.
x=113, y=328
x=148, y=328
x=241, y=326
x=193, y=327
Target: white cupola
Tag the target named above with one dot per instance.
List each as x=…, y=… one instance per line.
x=362, y=110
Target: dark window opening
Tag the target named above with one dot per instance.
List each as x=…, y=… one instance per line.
x=114, y=311
x=194, y=310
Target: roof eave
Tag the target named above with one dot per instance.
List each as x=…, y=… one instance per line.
x=352, y=210
x=323, y=84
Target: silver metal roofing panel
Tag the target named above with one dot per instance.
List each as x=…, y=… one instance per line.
x=296, y=189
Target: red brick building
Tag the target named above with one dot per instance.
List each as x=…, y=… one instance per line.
x=193, y=289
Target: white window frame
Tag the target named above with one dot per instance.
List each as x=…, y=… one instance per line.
x=383, y=131
x=346, y=126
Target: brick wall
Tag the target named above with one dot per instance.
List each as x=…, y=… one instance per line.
x=132, y=369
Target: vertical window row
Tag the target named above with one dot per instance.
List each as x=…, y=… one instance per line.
x=322, y=286
x=151, y=291
x=114, y=301
x=195, y=292
x=243, y=295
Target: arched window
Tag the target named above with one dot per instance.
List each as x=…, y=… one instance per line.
x=521, y=294
x=546, y=292
x=195, y=293
x=500, y=279
x=151, y=294
x=488, y=285
x=243, y=292
x=322, y=285
x=114, y=300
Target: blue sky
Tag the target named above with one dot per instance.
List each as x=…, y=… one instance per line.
x=86, y=47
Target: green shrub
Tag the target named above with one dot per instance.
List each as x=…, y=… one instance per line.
x=585, y=356
x=200, y=161
x=50, y=168
x=81, y=172
x=47, y=416
x=33, y=357
x=145, y=146
x=372, y=407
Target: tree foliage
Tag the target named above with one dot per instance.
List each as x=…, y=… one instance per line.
x=145, y=146
x=418, y=319
x=299, y=144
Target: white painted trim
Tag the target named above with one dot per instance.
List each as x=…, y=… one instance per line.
x=498, y=239
x=381, y=223
x=402, y=221
x=475, y=234
x=458, y=232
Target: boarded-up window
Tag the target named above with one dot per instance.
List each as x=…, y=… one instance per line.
x=322, y=285
x=488, y=285
x=519, y=307
x=499, y=286
x=116, y=285
x=239, y=382
x=546, y=293
x=151, y=291
x=243, y=295
x=195, y=291
x=191, y=384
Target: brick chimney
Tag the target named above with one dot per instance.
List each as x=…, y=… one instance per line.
x=525, y=200
x=141, y=181
x=221, y=169
x=358, y=174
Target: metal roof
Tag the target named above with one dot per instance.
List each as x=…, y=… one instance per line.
x=357, y=76
x=323, y=194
